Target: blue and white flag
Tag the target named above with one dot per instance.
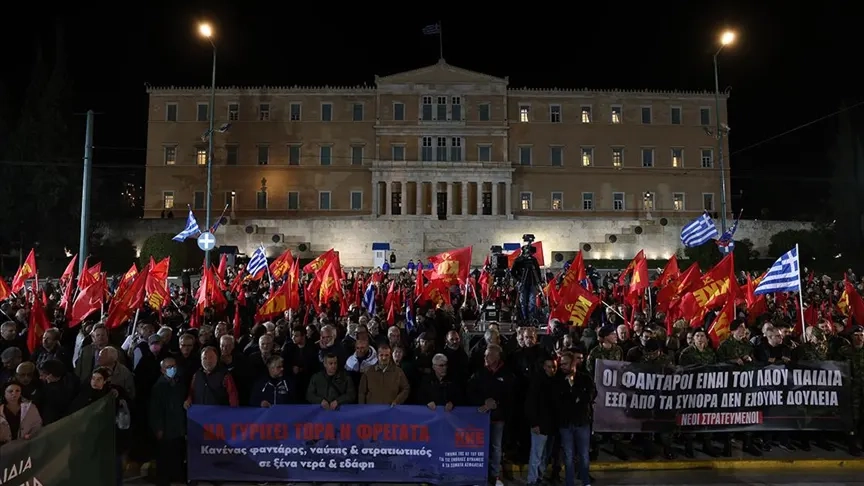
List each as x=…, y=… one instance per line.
x=433, y=29
x=699, y=231
x=369, y=299
x=783, y=276
x=257, y=263
x=191, y=229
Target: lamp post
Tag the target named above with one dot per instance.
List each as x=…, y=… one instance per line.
x=206, y=31
x=726, y=38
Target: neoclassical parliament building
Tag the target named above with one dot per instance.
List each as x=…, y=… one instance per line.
x=439, y=142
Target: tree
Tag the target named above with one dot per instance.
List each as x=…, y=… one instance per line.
x=183, y=255
x=116, y=256
x=708, y=254
x=816, y=247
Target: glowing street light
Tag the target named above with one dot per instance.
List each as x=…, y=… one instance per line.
x=205, y=30
x=727, y=38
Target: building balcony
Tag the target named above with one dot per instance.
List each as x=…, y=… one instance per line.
x=438, y=165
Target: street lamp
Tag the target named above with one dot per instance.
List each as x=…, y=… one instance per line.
x=727, y=38
x=206, y=31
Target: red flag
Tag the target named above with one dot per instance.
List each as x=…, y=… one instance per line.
x=719, y=330
x=452, y=266
x=25, y=271
x=223, y=267
x=320, y=263
x=69, y=273
x=281, y=265
x=538, y=254
x=88, y=301
x=670, y=272
x=124, y=305
x=39, y=322
x=575, y=305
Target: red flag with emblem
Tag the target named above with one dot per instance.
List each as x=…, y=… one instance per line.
x=670, y=272
x=575, y=305
x=281, y=265
x=720, y=330
x=26, y=271
x=452, y=266
x=88, y=301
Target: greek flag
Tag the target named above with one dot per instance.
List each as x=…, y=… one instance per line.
x=190, y=230
x=410, y=322
x=433, y=29
x=257, y=263
x=783, y=276
x=369, y=299
x=699, y=231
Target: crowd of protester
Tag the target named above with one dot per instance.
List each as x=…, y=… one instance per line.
x=163, y=366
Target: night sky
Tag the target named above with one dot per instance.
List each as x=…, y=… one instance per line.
x=789, y=67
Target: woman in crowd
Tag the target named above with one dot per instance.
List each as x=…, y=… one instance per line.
x=19, y=418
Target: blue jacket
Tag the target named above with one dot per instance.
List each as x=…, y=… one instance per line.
x=275, y=391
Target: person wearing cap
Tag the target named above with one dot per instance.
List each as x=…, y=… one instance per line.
x=607, y=349
x=854, y=354
x=652, y=354
x=698, y=354
x=737, y=350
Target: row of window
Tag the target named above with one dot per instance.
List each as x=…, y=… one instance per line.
x=444, y=149
x=648, y=202
x=616, y=114
x=442, y=108
x=526, y=201
x=325, y=199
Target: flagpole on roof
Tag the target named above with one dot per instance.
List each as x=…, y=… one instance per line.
x=440, y=41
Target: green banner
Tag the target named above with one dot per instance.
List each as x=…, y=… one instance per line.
x=75, y=451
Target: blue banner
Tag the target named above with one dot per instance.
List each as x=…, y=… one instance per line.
x=355, y=444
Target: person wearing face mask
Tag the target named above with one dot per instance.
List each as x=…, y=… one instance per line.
x=167, y=419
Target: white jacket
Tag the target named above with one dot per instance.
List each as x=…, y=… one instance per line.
x=353, y=364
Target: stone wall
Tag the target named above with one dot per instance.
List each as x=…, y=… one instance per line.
x=413, y=238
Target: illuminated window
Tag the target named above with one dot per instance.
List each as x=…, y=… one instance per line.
x=648, y=201
x=525, y=201
x=201, y=156
x=678, y=201
x=170, y=155
x=616, y=114
x=587, y=157
x=233, y=112
x=677, y=157
x=524, y=111
x=617, y=157
x=557, y=201
x=586, y=114
x=168, y=200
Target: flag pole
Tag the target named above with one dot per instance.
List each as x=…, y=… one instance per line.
x=440, y=41
x=800, y=293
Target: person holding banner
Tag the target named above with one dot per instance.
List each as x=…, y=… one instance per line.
x=737, y=350
x=575, y=397
x=854, y=354
x=698, y=354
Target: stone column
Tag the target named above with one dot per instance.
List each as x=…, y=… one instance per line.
x=494, y=198
x=419, y=196
x=463, y=186
x=479, y=198
x=449, y=199
x=386, y=194
x=376, y=207
x=508, y=200
x=403, y=209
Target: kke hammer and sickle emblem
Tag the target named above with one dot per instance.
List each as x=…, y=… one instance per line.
x=25, y=269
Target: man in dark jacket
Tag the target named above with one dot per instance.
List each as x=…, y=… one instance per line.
x=575, y=397
x=275, y=388
x=58, y=390
x=492, y=388
x=438, y=388
x=167, y=419
x=540, y=416
x=331, y=387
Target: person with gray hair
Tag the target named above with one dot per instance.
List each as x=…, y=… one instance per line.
x=438, y=389
x=120, y=375
x=10, y=358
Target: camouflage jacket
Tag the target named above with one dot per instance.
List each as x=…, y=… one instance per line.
x=615, y=353
x=692, y=356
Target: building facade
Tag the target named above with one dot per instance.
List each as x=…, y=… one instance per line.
x=439, y=143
